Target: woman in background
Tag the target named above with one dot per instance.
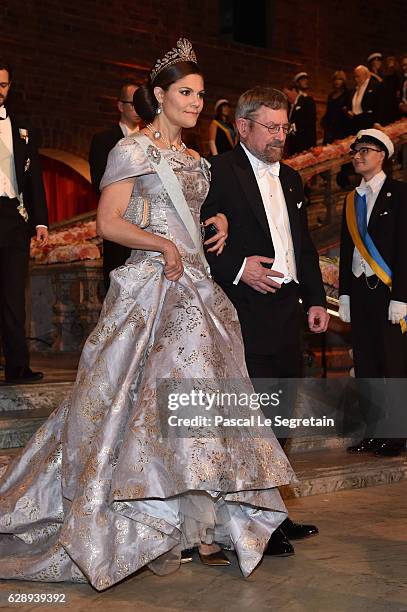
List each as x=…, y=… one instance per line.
x=335, y=122
x=222, y=133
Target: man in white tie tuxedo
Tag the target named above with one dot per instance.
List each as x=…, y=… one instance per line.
x=23, y=213
x=269, y=261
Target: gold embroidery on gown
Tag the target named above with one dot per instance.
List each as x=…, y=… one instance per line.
x=99, y=492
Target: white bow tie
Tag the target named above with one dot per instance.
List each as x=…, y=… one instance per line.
x=3, y=112
x=263, y=169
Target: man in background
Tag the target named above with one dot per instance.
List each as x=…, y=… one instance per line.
x=114, y=255
x=302, y=115
x=365, y=110
x=23, y=213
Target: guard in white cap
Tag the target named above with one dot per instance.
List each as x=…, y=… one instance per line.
x=300, y=75
x=302, y=115
x=373, y=291
x=222, y=132
x=375, y=63
x=373, y=56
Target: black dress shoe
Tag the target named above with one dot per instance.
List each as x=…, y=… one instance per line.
x=390, y=448
x=367, y=445
x=23, y=376
x=296, y=531
x=278, y=545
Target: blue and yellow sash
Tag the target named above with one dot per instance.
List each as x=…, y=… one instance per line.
x=356, y=218
x=229, y=132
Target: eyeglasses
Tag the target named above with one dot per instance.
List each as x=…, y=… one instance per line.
x=127, y=102
x=4, y=85
x=274, y=128
x=364, y=151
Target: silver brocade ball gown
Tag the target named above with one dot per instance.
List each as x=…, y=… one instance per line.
x=99, y=492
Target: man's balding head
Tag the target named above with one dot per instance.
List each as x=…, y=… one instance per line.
x=361, y=74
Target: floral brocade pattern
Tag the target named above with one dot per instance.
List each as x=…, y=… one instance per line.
x=100, y=491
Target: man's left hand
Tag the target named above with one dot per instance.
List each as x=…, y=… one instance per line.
x=42, y=235
x=218, y=241
x=318, y=319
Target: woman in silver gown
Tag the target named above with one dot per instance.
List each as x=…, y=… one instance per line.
x=100, y=491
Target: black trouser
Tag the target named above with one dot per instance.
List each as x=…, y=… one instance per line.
x=14, y=258
x=379, y=352
x=283, y=361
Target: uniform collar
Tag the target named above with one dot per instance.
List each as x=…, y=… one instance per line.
x=375, y=183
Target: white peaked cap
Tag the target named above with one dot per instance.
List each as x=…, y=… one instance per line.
x=219, y=102
x=374, y=55
x=299, y=75
x=378, y=135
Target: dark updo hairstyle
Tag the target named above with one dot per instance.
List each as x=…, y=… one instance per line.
x=145, y=102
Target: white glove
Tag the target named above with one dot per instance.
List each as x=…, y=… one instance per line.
x=397, y=311
x=344, y=308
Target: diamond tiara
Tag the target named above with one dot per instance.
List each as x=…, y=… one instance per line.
x=183, y=52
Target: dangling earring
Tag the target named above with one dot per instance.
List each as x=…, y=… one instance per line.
x=159, y=109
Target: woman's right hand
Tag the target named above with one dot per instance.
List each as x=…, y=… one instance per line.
x=173, y=268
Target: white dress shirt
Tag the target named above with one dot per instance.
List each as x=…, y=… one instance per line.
x=267, y=177
x=371, y=190
x=8, y=179
x=126, y=130
x=357, y=98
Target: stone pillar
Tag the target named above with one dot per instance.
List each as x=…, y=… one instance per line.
x=91, y=292
x=68, y=331
x=76, y=293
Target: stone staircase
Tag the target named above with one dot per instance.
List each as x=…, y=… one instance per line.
x=320, y=462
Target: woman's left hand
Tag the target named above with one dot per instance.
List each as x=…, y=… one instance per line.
x=218, y=241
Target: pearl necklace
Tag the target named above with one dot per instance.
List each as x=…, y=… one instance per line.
x=158, y=136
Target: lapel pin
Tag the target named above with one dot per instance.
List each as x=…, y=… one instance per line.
x=388, y=194
x=299, y=204
x=290, y=189
x=383, y=213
